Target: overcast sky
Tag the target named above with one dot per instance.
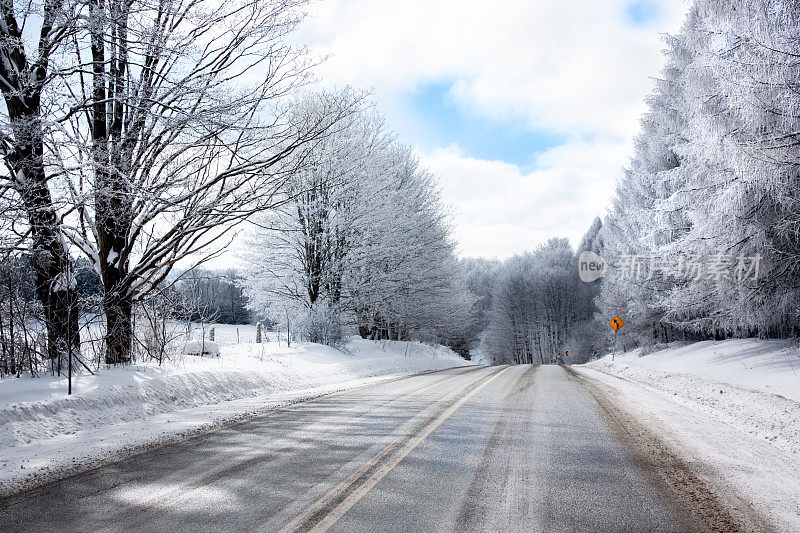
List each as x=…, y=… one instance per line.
x=525, y=109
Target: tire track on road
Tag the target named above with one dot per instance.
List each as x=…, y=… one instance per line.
x=133, y=518
x=475, y=507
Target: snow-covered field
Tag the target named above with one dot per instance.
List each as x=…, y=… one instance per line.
x=45, y=434
x=730, y=408
x=227, y=334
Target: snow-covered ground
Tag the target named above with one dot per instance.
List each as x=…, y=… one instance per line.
x=767, y=366
x=226, y=334
x=45, y=434
x=731, y=408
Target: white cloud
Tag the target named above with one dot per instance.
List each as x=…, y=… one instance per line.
x=575, y=68
x=565, y=64
x=499, y=210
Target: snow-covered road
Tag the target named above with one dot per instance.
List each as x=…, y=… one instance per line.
x=511, y=449
x=717, y=421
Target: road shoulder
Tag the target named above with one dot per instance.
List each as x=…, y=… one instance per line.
x=729, y=481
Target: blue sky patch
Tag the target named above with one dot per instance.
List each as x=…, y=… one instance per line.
x=642, y=12
x=434, y=120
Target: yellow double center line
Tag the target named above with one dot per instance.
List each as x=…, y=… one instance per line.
x=326, y=511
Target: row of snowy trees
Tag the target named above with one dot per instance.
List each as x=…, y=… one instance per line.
x=715, y=177
x=702, y=240
x=540, y=309
x=208, y=296
x=360, y=242
x=138, y=133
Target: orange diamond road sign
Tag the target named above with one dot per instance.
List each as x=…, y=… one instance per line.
x=616, y=323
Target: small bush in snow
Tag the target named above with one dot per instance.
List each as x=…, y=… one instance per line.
x=201, y=348
x=322, y=325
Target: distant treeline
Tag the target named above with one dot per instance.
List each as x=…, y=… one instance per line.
x=533, y=308
x=197, y=295
x=211, y=297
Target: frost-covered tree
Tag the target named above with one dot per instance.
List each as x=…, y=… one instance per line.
x=298, y=252
x=481, y=276
x=361, y=241
x=538, y=302
x=586, y=339
x=406, y=281
x=649, y=211
x=749, y=52
x=175, y=133
x=715, y=174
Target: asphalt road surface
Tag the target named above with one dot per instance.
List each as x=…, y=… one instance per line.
x=503, y=449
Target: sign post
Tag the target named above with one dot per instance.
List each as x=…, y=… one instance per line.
x=616, y=324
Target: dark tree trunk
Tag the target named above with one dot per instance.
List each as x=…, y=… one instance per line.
x=117, y=302
x=119, y=331
x=50, y=263
x=113, y=195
